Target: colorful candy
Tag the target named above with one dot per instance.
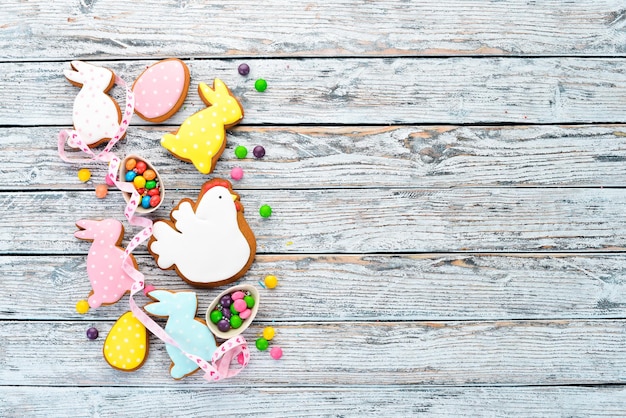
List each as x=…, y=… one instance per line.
x=265, y=211
x=243, y=69
x=82, y=306
x=145, y=181
x=84, y=174
x=271, y=282
x=92, y=333
x=258, y=151
x=262, y=344
x=268, y=333
x=276, y=352
x=231, y=310
x=260, y=85
x=236, y=173
x=241, y=152
x=101, y=191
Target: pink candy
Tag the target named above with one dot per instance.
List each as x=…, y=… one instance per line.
x=237, y=295
x=240, y=305
x=245, y=314
x=276, y=352
x=236, y=173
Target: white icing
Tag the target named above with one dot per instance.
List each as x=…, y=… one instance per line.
x=207, y=245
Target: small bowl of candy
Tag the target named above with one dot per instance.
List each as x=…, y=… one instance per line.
x=147, y=182
x=232, y=311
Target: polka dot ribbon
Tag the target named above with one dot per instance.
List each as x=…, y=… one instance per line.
x=220, y=366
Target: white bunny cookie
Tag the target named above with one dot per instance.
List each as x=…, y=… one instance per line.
x=96, y=115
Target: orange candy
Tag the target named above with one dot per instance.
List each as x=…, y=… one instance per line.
x=101, y=191
x=149, y=175
x=130, y=164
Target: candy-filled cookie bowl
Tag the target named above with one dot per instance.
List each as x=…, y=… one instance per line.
x=146, y=180
x=232, y=311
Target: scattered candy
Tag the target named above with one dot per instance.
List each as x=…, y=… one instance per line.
x=241, y=151
x=276, y=353
x=258, y=151
x=101, y=191
x=268, y=333
x=262, y=344
x=84, y=174
x=265, y=211
x=243, y=69
x=82, y=306
x=271, y=282
x=260, y=85
x=236, y=173
x=92, y=333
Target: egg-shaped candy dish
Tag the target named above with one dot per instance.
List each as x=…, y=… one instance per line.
x=232, y=311
x=147, y=181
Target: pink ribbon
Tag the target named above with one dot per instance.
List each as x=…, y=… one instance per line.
x=219, y=367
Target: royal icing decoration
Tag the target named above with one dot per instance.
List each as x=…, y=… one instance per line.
x=126, y=346
x=208, y=242
x=202, y=137
x=96, y=115
x=108, y=279
x=161, y=90
x=192, y=334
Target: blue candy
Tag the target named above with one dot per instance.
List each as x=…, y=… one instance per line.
x=130, y=175
x=145, y=202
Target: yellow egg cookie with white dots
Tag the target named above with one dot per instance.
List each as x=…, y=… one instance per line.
x=126, y=346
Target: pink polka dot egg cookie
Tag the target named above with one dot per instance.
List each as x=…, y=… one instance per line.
x=146, y=180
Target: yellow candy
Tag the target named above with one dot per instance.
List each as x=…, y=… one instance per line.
x=271, y=282
x=82, y=306
x=84, y=174
x=268, y=333
x=139, y=182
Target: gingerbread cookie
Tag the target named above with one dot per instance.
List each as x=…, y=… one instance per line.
x=96, y=115
x=104, y=260
x=201, y=139
x=126, y=346
x=161, y=90
x=208, y=241
x=190, y=333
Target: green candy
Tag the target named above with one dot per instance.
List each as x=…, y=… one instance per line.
x=150, y=184
x=265, y=211
x=249, y=301
x=233, y=310
x=260, y=85
x=241, y=152
x=262, y=344
x=216, y=316
x=235, y=321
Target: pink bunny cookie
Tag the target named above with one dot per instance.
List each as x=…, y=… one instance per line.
x=104, y=261
x=96, y=115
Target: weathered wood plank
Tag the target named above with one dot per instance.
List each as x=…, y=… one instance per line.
x=39, y=30
x=346, y=353
x=356, y=220
x=341, y=157
x=275, y=401
x=354, y=91
x=356, y=288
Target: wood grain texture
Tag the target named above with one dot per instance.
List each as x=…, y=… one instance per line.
x=608, y=401
x=39, y=30
x=355, y=156
x=344, y=353
x=357, y=91
x=356, y=220
x=427, y=287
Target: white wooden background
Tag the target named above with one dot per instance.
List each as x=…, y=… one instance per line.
x=449, y=226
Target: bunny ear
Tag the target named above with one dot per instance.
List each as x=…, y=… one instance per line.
x=74, y=77
x=155, y=308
